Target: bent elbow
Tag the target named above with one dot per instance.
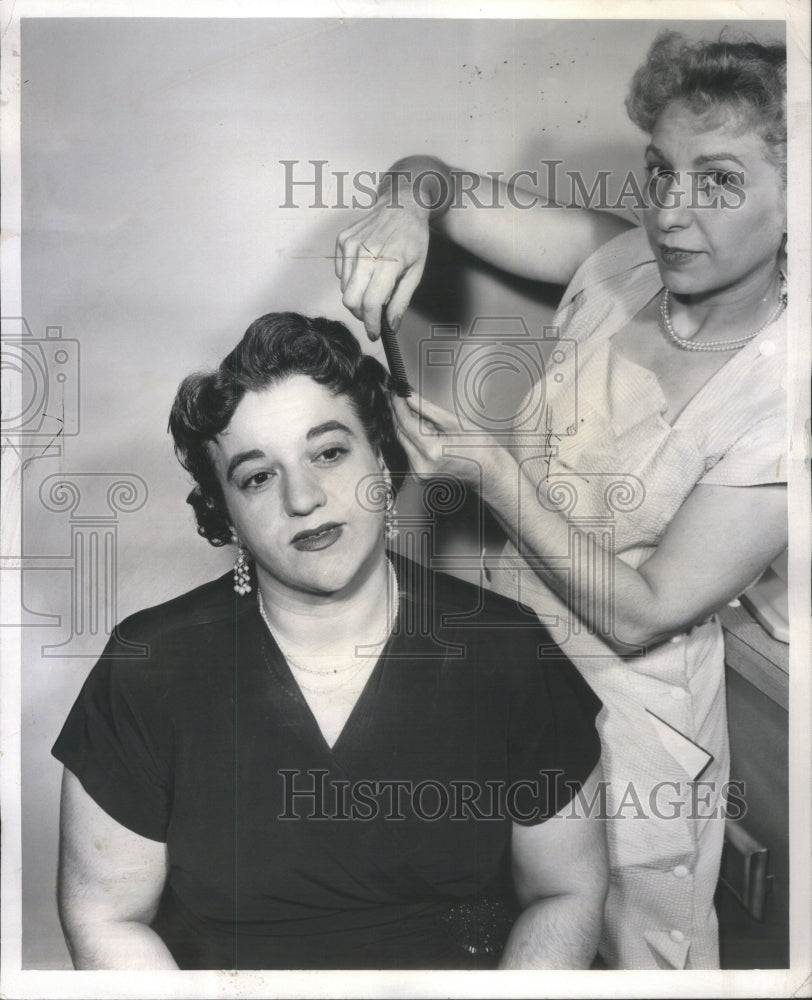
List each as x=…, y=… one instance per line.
x=648, y=627
x=633, y=639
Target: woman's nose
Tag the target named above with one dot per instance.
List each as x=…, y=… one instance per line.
x=672, y=199
x=302, y=493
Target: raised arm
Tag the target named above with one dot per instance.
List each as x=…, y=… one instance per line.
x=720, y=540
x=110, y=882
x=380, y=258
x=698, y=566
x=560, y=873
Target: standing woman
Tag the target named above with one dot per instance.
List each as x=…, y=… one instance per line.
x=679, y=328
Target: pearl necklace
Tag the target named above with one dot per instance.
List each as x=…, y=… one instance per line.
x=719, y=345
x=358, y=663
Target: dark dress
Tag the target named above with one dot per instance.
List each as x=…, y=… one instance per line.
x=390, y=850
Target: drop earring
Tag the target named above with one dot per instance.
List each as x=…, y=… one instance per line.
x=390, y=515
x=242, y=573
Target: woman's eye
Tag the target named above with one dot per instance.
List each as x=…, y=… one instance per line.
x=256, y=481
x=722, y=178
x=656, y=171
x=329, y=456
x=660, y=179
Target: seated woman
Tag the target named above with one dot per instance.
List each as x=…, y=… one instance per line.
x=292, y=776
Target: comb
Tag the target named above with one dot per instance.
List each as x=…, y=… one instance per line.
x=398, y=379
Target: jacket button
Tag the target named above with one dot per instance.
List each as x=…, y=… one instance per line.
x=680, y=871
x=677, y=936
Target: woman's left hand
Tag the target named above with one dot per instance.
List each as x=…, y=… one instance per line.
x=436, y=445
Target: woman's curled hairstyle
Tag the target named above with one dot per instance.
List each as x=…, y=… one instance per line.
x=274, y=347
x=746, y=76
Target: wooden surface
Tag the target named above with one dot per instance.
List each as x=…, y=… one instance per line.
x=759, y=747
x=757, y=669
x=755, y=655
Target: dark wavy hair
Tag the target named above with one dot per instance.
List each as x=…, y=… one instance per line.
x=746, y=77
x=274, y=347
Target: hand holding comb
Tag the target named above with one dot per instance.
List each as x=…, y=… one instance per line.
x=398, y=380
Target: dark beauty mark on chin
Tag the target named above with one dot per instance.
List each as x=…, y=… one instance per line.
x=315, y=541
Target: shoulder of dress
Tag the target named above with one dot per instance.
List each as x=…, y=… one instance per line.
x=618, y=256
x=759, y=370
x=209, y=603
x=452, y=595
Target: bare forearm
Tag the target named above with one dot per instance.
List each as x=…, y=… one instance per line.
x=561, y=932
x=514, y=227
x=697, y=566
x=427, y=186
x=116, y=944
x=547, y=540
x=379, y=259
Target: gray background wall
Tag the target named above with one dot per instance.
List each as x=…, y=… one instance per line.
x=153, y=234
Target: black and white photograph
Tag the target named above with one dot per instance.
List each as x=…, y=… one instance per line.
x=406, y=499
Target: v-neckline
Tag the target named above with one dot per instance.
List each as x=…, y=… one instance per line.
x=705, y=387
x=279, y=666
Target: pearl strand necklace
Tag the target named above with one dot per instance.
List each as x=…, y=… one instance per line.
x=356, y=667
x=719, y=345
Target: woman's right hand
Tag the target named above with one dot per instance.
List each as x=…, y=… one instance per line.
x=380, y=259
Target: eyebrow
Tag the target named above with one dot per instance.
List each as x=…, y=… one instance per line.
x=240, y=457
x=325, y=428
x=712, y=157
x=248, y=456
x=700, y=160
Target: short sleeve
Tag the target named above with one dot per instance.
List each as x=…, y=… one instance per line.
x=757, y=457
x=553, y=743
x=117, y=742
